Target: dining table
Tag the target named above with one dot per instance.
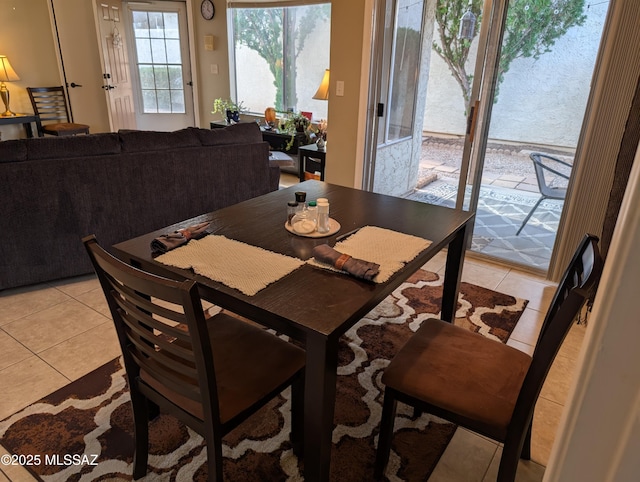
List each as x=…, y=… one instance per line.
x=310, y=304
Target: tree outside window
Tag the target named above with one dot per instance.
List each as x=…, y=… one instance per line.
x=532, y=28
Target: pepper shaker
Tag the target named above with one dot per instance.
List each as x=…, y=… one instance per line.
x=301, y=198
x=292, y=209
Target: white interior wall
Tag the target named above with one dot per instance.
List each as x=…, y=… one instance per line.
x=599, y=436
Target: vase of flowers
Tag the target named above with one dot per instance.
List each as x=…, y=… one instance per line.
x=321, y=134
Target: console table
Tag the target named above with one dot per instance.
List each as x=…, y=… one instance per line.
x=278, y=142
x=24, y=119
x=311, y=160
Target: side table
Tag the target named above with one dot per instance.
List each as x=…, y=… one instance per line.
x=312, y=160
x=24, y=119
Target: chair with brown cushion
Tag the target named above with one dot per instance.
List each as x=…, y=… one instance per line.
x=482, y=384
x=211, y=373
x=50, y=105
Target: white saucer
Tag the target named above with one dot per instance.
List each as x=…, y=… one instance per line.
x=334, y=227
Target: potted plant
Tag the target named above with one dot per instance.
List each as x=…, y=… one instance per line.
x=295, y=124
x=229, y=108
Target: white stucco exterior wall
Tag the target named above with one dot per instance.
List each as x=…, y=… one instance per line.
x=540, y=101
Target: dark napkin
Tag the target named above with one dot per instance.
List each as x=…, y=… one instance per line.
x=344, y=262
x=167, y=242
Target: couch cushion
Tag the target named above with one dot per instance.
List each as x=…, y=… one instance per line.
x=13, y=150
x=242, y=133
x=68, y=147
x=138, y=141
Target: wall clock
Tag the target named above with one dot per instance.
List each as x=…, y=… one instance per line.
x=207, y=9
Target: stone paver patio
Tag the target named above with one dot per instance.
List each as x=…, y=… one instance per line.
x=508, y=169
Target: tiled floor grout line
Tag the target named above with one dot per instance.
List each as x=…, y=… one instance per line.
x=20, y=343
x=500, y=279
x=35, y=354
x=52, y=367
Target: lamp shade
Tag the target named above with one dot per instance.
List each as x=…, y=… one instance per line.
x=323, y=91
x=7, y=74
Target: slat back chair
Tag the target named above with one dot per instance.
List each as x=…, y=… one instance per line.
x=482, y=384
x=211, y=373
x=51, y=107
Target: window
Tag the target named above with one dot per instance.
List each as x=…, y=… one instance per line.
x=281, y=54
x=159, y=62
x=401, y=68
x=405, y=69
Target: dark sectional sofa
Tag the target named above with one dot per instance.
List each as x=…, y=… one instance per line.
x=53, y=191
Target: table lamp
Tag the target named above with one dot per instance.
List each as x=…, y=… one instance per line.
x=323, y=91
x=7, y=74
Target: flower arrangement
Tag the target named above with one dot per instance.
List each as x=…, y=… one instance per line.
x=320, y=134
x=321, y=130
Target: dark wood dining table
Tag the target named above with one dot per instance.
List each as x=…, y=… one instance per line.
x=314, y=305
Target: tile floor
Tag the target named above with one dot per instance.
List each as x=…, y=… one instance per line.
x=54, y=333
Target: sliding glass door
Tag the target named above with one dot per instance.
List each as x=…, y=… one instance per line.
x=502, y=88
x=531, y=106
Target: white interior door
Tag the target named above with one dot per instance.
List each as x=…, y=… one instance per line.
x=160, y=67
x=74, y=29
x=116, y=76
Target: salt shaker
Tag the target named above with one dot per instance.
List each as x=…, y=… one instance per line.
x=323, y=217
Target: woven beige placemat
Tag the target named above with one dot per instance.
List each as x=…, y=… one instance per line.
x=237, y=265
x=390, y=249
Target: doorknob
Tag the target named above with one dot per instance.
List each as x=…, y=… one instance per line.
x=74, y=85
x=108, y=87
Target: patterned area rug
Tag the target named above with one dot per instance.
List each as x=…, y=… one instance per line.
x=499, y=215
x=83, y=432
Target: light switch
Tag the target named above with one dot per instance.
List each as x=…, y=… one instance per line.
x=340, y=88
x=214, y=68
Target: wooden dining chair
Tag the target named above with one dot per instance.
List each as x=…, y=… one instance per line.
x=211, y=373
x=50, y=105
x=482, y=384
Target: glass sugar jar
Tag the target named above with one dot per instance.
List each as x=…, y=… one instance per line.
x=304, y=222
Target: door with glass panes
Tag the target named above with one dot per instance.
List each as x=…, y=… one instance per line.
x=160, y=66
